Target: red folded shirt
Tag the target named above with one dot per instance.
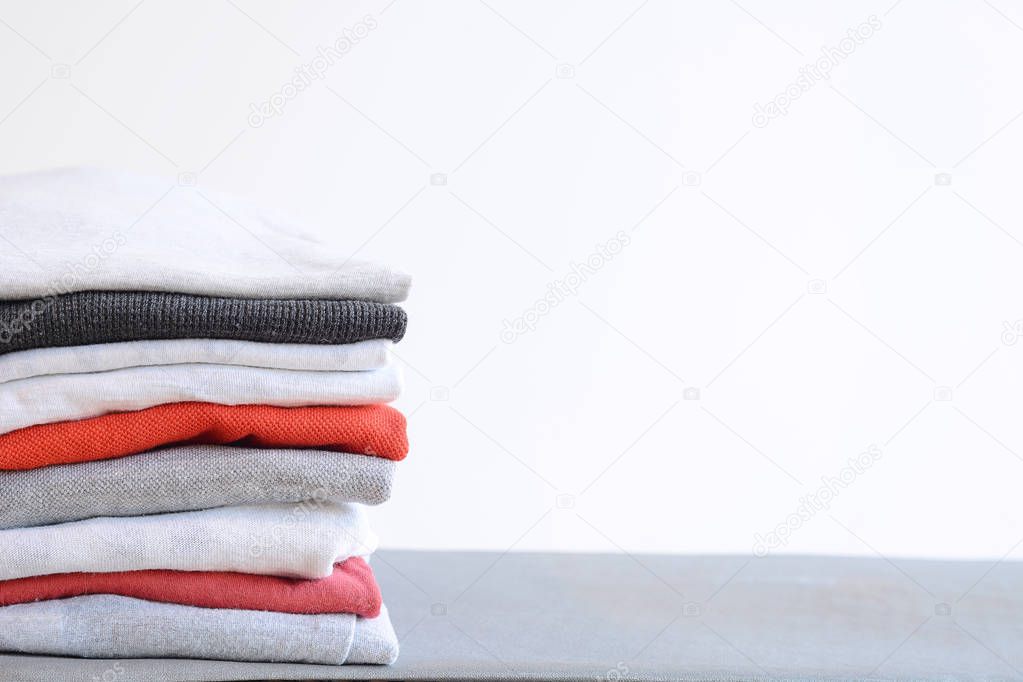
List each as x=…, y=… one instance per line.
x=377, y=430
x=351, y=589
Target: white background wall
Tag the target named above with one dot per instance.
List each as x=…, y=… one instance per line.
x=576, y=435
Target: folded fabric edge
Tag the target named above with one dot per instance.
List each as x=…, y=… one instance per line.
x=62, y=627
x=97, y=317
x=350, y=588
x=360, y=356
x=380, y=284
x=53, y=399
x=375, y=641
x=269, y=539
x=176, y=480
x=379, y=430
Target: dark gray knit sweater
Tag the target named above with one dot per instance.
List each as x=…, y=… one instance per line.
x=107, y=317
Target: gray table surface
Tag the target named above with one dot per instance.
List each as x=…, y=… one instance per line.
x=465, y=616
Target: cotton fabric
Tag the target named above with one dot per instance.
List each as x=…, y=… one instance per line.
x=103, y=357
x=189, y=478
x=377, y=430
x=58, y=398
x=351, y=588
x=91, y=317
x=105, y=626
x=85, y=229
x=302, y=540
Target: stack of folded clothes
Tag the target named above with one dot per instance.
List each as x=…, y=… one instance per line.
x=192, y=414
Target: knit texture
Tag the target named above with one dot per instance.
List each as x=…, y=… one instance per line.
x=104, y=317
x=189, y=478
x=58, y=398
x=364, y=429
x=351, y=588
x=82, y=229
x=103, y=357
x=105, y=626
x=302, y=540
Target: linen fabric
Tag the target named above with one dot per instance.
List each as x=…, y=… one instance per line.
x=91, y=229
x=58, y=398
x=302, y=540
x=187, y=478
x=351, y=588
x=106, y=626
x=377, y=430
x=91, y=317
x=103, y=357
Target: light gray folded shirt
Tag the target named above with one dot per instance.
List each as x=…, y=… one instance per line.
x=107, y=626
x=189, y=478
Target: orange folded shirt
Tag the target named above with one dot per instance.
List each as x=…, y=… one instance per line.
x=350, y=589
x=377, y=430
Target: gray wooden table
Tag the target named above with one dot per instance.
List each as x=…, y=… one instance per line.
x=466, y=616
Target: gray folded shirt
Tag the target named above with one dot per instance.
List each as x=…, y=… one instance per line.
x=107, y=626
x=189, y=478
x=91, y=317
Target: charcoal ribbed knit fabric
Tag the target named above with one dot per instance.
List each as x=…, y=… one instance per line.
x=104, y=317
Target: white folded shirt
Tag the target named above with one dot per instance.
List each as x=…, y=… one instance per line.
x=65, y=397
x=302, y=540
x=103, y=357
x=87, y=229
